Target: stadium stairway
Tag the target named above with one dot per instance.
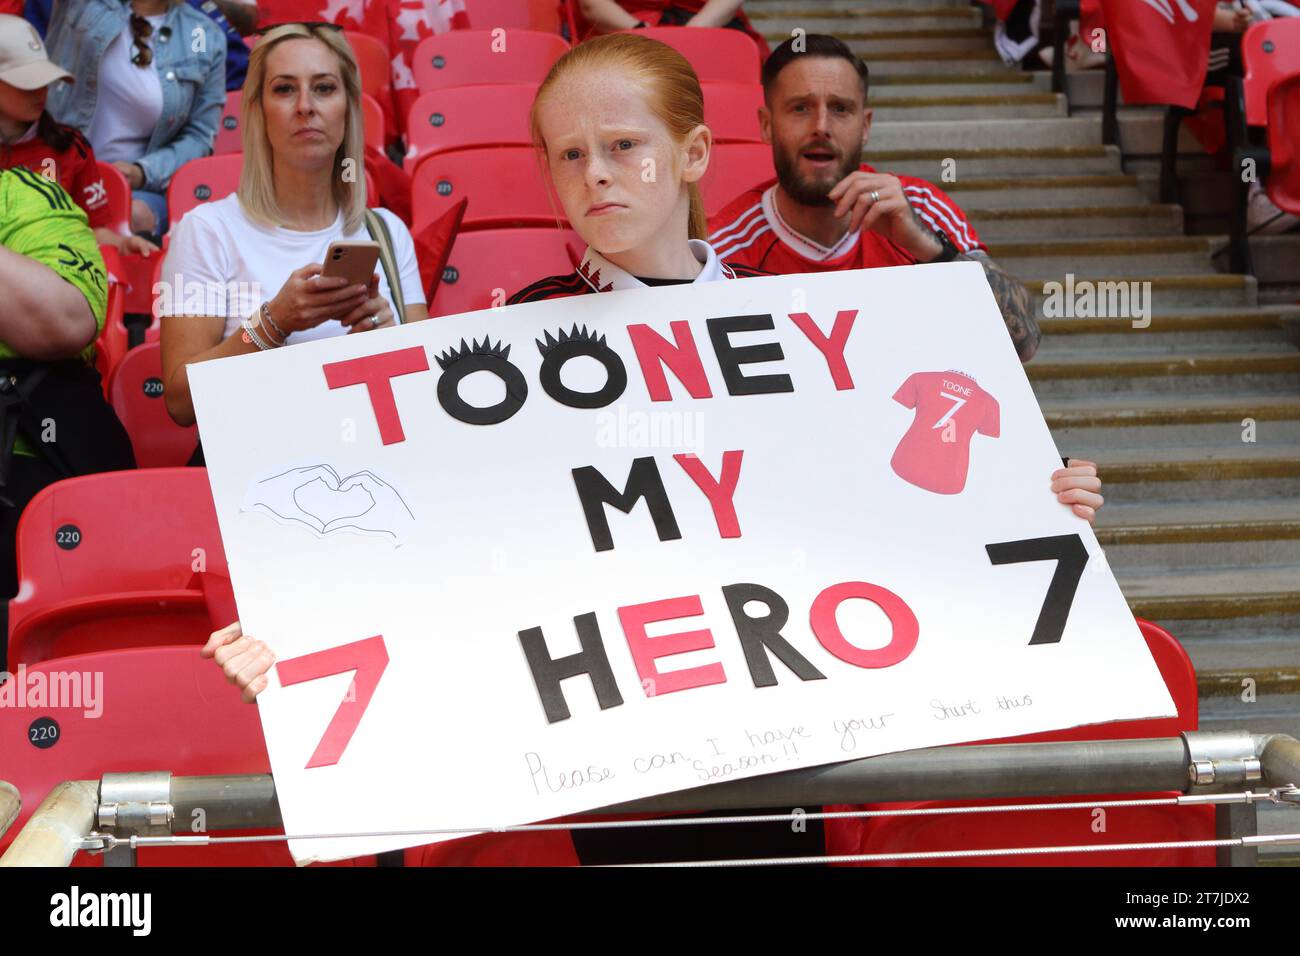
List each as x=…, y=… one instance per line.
x=1193, y=419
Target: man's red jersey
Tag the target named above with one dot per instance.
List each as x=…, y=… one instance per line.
x=751, y=231
x=74, y=168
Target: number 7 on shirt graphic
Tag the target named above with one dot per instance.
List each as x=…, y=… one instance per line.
x=951, y=407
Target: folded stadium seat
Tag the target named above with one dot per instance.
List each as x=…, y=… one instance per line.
x=372, y=115
x=119, y=197
x=541, y=15
x=733, y=169
x=488, y=266
x=203, y=180
x=229, y=137
x=1062, y=828
x=1271, y=55
x=111, y=560
x=718, y=54
x=110, y=345
x=505, y=187
x=468, y=116
x=135, y=391
x=373, y=61
x=137, y=709
x=731, y=112
x=474, y=57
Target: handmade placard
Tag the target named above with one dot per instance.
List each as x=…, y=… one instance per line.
x=546, y=558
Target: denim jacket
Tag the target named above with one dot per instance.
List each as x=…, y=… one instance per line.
x=193, y=83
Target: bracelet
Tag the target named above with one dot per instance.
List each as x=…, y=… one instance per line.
x=266, y=317
x=253, y=336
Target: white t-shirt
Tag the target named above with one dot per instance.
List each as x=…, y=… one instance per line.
x=130, y=101
x=220, y=262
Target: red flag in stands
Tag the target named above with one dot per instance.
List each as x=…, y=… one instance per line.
x=433, y=247
x=1001, y=8
x=1161, y=48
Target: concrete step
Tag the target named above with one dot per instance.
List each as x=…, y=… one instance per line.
x=1136, y=422
x=1211, y=594
x=874, y=45
x=891, y=108
x=906, y=63
x=1276, y=259
x=952, y=137
x=948, y=84
x=994, y=162
x=872, y=22
x=1141, y=131
x=1191, y=472
x=1053, y=258
x=1167, y=293
x=1050, y=222
x=758, y=10
x=1173, y=330
x=1200, y=534
x=1262, y=368
x=1014, y=192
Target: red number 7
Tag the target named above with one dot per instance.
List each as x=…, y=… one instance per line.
x=368, y=658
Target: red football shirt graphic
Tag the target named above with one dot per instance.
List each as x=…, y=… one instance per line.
x=950, y=408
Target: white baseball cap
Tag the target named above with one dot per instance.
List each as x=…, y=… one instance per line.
x=23, y=61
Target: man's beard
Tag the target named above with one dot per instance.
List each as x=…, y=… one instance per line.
x=811, y=192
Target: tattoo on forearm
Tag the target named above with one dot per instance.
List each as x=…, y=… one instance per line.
x=242, y=16
x=1015, y=304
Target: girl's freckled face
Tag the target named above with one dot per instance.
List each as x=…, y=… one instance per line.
x=613, y=161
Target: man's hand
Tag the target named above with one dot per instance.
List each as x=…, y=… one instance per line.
x=888, y=212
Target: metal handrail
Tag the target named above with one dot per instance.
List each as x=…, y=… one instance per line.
x=1196, y=762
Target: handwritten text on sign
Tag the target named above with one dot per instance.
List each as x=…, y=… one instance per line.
x=443, y=541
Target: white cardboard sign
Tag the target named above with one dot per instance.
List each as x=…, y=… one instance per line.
x=841, y=542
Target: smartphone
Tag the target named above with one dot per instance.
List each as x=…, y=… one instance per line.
x=354, y=261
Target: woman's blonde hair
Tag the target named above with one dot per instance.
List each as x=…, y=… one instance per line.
x=675, y=94
x=257, y=180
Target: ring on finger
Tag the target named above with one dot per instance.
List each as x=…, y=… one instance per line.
x=374, y=321
x=875, y=197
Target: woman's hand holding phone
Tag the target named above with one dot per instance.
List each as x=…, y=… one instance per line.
x=309, y=298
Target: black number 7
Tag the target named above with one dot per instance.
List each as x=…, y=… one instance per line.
x=1071, y=558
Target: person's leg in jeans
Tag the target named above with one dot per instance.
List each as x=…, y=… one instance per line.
x=157, y=203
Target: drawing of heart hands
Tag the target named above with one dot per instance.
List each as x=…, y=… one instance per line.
x=317, y=498
x=387, y=506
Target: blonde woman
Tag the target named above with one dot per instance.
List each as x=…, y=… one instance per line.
x=244, y=273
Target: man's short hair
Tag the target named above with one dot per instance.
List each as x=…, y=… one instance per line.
x=811, y=44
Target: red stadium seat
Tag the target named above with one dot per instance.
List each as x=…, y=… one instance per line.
x=156, y=708
x=230, y=137
x=111, y=345
x=718, y=54
x=1066, y=827
x=540, y=15
x=135, y=391
x=733, y=169
x=505, y=187
x=474, y=57
x=373, y=61
x=119, y=198
x=1270, y=52
x=203, y=180
x=731, y=111
x=111, y=560
x=372, y=115
x=478, y=275
x=468, y=116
